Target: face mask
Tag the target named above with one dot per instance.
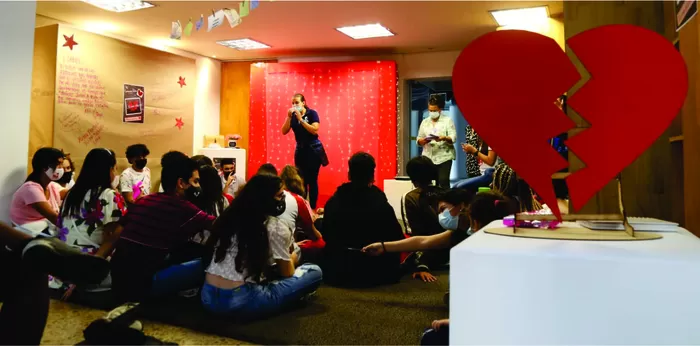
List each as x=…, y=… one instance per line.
x=227, y=174
x=447, y=221
x=115, y=182
x=54, y=174
x=67, y=176
x=279, y=207
x=192, y=193
x=140, y=163
x=298, y=108
x=434, y=115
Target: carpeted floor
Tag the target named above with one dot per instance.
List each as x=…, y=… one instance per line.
x=388, y=315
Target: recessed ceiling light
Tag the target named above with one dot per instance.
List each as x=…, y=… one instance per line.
x=120, y=5
x=243, y=44
x=521, y=16
x=359, y=32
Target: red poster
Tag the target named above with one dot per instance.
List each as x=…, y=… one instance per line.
x=134, y=104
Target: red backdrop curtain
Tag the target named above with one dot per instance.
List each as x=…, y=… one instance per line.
x=356, y=103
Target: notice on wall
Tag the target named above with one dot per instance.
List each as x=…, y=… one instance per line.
x=80, y=90
x=685, y=11
x=134, y=103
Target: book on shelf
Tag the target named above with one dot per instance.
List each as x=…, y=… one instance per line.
x=641, y=224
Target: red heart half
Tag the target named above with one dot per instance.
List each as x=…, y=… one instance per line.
x=505, y=84
x=638, y=84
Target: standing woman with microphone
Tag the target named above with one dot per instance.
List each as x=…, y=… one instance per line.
x=309, y=154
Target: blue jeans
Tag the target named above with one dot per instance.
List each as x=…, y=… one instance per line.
x=177, y=278
x=253, y=300
x=474, y=183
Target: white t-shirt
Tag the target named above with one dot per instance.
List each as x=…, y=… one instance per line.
x=238, y=181
x=483, y=166
x=131, y=180
x=291, y=211
x=280, y=238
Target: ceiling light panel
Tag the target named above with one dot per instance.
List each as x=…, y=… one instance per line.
x=120, y=5
x=521, y=16
x=359, y=32
x=243, y=44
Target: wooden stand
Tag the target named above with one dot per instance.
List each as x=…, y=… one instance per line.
x=567, y=232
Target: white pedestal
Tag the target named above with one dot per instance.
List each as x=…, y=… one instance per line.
x=394, y=190
x=228, y=153
x=508, y=291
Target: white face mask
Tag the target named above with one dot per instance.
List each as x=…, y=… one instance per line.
x=115, y=182
x=54, y=174
x=434, y=115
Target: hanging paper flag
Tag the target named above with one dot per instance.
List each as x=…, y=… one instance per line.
x=253, y=4
x=232, y=16
x=216, y=19
x=199, y=23
x=244, y=8
x=188, y=28
x=176, y=31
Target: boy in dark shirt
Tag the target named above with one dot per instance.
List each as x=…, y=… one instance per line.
x=357, y=215
x=153, y=227
x=420, y=210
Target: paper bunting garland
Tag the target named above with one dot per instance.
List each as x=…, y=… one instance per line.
x=176, y=31
x=216, y=19
x=188, y=28
x=232, y=16
x=244, y=8
x=199, y=23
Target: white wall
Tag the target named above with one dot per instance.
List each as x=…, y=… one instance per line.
x=17, y=22
x=207, y=101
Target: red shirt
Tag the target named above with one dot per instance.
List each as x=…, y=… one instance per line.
x=163, y=221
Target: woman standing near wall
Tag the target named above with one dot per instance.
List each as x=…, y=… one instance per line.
x=309, y=155
x=437, y=135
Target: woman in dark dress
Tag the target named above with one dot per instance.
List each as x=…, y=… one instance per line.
x=309, y=154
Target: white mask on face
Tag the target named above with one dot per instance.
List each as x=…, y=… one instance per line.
x=434, y=115
x=54, y=174
x=115, y=182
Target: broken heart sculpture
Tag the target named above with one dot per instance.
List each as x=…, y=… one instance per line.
x=506, y=82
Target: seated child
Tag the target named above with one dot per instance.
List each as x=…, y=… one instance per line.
x=359, y=214
x=89, y=217
x=485, y=208
x=135, y=181
x=153, y=229
x=255, y=272
x=30, y=203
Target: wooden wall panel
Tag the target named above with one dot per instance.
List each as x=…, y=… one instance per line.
x=235, y=100
x=651, y=184
x=43, y=90
x=690, y=49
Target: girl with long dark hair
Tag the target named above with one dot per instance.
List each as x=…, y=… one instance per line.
x=30, y=202
x=309, y=155
x=90, y=214
x=253, y=247
x=211, y=199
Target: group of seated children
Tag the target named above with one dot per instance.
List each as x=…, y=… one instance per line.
x=251, y=253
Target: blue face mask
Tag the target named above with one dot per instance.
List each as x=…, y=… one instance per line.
x=447, y=221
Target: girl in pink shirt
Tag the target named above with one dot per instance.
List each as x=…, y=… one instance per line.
x=31, y=201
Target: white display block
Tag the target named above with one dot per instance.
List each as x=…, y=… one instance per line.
x=514, y=291
x=394, y=190
x=228, y=153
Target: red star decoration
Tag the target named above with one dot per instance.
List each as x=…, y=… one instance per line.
x=179, y=123
x=70, y=42
x=181, y=82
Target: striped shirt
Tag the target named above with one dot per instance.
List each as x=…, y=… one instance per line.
x=163, y=221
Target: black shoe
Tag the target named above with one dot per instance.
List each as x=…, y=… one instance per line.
x=56, y=258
